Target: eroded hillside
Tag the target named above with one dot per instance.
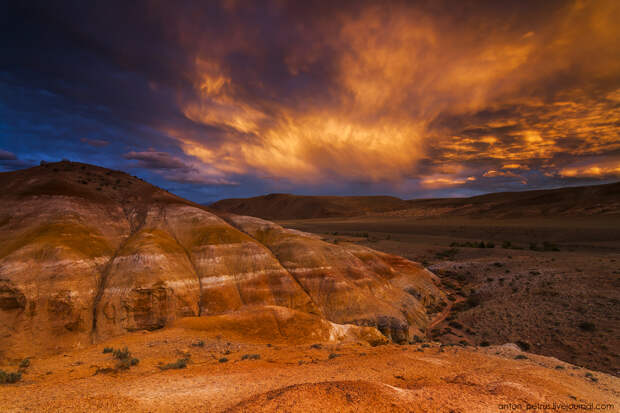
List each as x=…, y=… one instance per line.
x=88, y=253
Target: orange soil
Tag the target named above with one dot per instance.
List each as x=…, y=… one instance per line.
x=351, y=377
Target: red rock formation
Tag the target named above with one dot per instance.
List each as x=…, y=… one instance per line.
x=87, y=253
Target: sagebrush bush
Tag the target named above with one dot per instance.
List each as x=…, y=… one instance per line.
x=121, y=354
x=7, y=378
x=179, y=364
x=124, y=357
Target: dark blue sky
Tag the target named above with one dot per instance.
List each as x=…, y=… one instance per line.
x=233, y=98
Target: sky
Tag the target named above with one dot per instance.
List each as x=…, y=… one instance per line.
x=218, y=99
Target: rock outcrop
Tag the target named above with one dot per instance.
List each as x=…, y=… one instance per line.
x=88, y=253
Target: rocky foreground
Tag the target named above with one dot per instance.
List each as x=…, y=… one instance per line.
x=191, y=368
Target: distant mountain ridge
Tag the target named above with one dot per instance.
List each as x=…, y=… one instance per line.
x=288, y=206
x=570, y=201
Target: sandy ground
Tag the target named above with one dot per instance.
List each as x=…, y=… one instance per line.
x=354, y=377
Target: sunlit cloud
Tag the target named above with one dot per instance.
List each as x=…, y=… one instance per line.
x=398, y=72
x=298, y=96
x=609, y=169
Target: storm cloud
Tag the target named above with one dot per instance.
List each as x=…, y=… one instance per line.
x=221, y=98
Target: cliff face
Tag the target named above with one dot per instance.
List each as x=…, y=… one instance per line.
x=88, y=253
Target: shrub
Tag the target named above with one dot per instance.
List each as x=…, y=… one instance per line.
x=127, y=363
x=121, y=354
x=520, y=357
x=198, y=343
x=250, y=357
x=125, y=360
x=506, y=245
x=523, y=345
x=485, y=344
x=587, y=326
x=316, y=346
x=25, y=363
x=7, y=378
x=179, y=364
x=223, y=360
x=333, y=355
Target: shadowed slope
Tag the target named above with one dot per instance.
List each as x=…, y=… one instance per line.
x=571, y=201
x=288, y=206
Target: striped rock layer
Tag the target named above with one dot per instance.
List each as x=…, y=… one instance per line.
x=87, y=253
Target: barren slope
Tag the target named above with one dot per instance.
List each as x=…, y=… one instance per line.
x=88, y=253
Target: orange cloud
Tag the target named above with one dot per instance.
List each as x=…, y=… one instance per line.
x=607, y=169
x=395, y=74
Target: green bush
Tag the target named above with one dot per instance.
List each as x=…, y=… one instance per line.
x=25, y=363
x=7, y=378
x=179, y=364
x=121, y=354
x=250, y=357
x=126, y=363
x=125, y=360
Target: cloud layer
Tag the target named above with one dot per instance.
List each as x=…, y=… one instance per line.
x=410, y=98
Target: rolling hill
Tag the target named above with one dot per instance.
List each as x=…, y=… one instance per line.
x=570, y=201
